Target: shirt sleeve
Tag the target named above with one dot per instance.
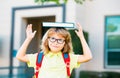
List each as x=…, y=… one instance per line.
x=32, y=60
x=73, y=60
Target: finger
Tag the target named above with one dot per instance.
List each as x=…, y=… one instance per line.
x=30, y=26
x=34, y=32
x=79, y=26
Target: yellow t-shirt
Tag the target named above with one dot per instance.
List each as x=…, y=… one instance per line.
x=53, y=65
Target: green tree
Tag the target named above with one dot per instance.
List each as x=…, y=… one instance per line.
x=111, y=28
x=58, y=1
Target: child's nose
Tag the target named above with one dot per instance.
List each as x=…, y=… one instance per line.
x=56, y=42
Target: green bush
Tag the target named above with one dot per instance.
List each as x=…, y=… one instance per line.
x=77, y=47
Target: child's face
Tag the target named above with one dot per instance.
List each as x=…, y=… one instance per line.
x=56, y=42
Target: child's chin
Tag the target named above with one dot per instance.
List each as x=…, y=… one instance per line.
x=55, y=51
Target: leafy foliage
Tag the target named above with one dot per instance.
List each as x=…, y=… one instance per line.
x=58, y=1
x=80, y=1
x=43, y=1
x=111, y=28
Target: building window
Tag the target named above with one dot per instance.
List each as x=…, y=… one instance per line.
x=112, y=41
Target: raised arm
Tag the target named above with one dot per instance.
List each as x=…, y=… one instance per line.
x=87, y=55
x=21, y=54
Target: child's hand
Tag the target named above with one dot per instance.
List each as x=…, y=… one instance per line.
x=79, y=32
x=29, y=32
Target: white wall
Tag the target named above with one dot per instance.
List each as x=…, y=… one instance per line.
x=92, y=19
x=5, y=26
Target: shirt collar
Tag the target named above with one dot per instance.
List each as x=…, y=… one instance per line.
x=51, y=54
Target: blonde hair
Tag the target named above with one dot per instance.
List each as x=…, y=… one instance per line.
x=60, y=31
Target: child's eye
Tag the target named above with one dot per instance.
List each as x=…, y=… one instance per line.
x=52, y=39
x=60, y=40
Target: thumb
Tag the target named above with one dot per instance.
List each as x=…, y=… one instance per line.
x=76, y=31
x=33, y=34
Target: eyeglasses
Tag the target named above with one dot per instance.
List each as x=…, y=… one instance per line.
x=59, y=41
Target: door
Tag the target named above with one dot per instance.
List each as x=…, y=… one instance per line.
x=20, y=69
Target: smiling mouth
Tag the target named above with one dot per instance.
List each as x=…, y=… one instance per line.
x=55, y=46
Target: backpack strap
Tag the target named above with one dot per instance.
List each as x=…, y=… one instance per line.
x=39, y=59
x=66, y=58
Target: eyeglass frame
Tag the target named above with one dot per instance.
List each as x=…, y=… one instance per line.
x=55, y=39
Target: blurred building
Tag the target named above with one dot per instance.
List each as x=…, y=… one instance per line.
x=93, y=16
